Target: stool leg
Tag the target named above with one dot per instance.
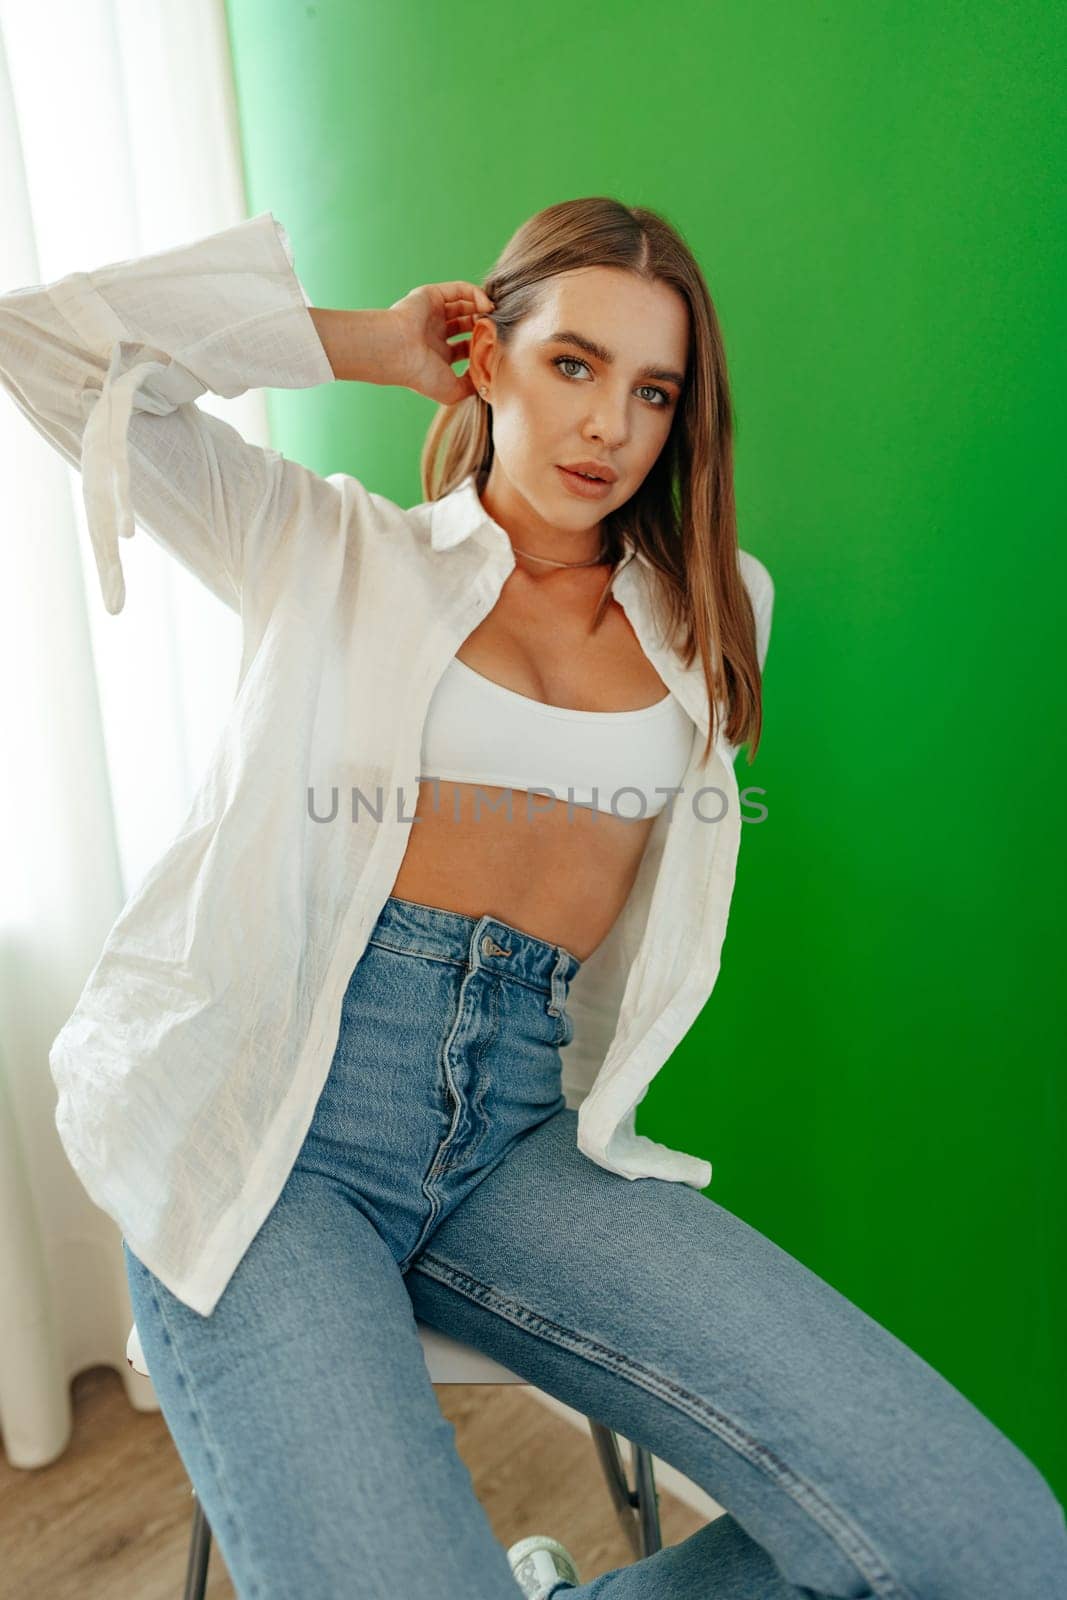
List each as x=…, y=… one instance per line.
x=643, y=1528
x=647, y=1501
x=199, y=1555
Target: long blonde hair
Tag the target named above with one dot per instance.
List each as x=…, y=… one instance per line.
x=682, y=518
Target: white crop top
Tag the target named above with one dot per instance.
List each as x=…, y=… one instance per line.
x=477, y=731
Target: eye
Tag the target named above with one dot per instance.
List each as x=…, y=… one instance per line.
x=573, y=361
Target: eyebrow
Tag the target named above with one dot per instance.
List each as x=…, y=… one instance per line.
x=590, y=346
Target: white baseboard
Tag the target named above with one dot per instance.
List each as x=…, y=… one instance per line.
x=667, y=1477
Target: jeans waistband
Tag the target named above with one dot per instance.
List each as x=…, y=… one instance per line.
x=485, y=941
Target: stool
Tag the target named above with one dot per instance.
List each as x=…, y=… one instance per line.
x=449, y=1360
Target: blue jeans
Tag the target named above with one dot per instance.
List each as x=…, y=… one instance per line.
x=441, y=1177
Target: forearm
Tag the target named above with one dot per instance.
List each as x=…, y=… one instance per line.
x=361, y=346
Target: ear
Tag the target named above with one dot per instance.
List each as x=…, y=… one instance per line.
x=483, y=352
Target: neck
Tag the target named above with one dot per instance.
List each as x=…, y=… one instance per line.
x=546, y=548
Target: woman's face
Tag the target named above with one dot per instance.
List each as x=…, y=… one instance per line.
x=555, y=401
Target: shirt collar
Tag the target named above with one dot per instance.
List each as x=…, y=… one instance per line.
x=455, y=515
x=460, y=513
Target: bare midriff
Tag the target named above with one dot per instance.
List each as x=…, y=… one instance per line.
x=558, y=871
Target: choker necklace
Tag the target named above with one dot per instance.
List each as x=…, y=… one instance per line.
x=595, y=561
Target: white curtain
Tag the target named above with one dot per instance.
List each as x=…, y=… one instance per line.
x=118, y=136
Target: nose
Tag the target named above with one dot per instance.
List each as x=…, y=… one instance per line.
x=609, y=425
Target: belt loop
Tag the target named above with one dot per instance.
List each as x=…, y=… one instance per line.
x=559, y=987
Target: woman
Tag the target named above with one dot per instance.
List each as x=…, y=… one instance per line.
x=337, y=1067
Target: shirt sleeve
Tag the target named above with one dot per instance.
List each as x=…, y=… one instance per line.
x=108, y=366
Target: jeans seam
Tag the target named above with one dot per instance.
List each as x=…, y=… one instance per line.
x=851, y=1540
x=206, y=1434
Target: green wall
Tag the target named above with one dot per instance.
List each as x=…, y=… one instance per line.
x=871, y=192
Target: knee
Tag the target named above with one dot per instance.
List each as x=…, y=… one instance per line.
x=1034, y=1527
x=1001, y=1530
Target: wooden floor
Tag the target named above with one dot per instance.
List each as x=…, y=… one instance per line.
x=110, y=1519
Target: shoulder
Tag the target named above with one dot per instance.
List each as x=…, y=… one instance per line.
x=757, y=579
x=376, y=514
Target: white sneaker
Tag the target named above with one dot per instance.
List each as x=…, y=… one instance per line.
x=539, y=1563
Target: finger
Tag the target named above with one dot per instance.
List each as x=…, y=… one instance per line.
x=469, y=293
x=460, y=351
x=460, y=325
x=462, y=290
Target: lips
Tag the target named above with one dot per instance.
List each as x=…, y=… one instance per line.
x=592, y=469
x=585, y=488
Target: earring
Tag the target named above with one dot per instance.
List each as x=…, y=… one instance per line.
x=483, y=391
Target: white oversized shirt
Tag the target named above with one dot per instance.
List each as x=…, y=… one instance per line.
x=189, y=1070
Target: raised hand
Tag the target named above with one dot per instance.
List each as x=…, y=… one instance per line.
x=428, y=317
